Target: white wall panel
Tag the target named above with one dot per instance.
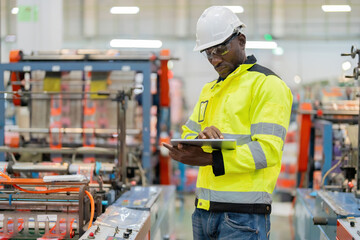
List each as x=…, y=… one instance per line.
x=72, y=19
x=43, y=29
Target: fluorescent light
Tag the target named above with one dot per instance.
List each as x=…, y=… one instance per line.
x=124, y=10
x=261, y=45
x=236, y=9
x=346, y=65
x=15, y=10
x=170, y=64
x=297, y=79
x=336, y=8
x=278, y=51
x=135, y=43
x=10, y=38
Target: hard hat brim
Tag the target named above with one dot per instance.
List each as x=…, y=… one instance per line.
x=209, y=45
x=217, y=42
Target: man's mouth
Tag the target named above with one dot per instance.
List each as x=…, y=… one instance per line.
x=220, y=68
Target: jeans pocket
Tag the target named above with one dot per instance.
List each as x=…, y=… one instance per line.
x=240, y=221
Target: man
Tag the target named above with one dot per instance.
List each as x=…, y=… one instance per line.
x=248, y=103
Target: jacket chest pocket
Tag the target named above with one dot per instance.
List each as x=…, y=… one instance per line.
x=202, y=110
x=208, y=113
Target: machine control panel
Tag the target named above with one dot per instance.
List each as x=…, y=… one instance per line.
x=348, y=228
x=110, y=233
x=120, y=223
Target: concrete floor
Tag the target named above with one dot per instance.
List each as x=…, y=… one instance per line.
x=280, y=218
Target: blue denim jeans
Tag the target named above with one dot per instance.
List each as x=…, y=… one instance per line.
x=230, y=225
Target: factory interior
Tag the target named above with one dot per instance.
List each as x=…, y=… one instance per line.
x=114, y=81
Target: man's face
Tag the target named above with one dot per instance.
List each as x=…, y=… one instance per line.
x=225, y=64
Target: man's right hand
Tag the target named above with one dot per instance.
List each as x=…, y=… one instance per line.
x=211, y=132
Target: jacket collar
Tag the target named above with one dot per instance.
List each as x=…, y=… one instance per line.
x=249, y=62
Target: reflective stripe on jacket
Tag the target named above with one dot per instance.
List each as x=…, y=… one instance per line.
x=253, y=106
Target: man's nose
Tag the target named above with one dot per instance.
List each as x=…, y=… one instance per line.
x=215, y=60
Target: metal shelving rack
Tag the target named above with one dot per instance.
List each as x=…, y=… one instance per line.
x=140, y=65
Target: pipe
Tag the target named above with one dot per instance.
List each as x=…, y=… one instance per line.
x=39, y=203
x=30, y=167
x=61, y=168
x=73, y=130
x=82, y=150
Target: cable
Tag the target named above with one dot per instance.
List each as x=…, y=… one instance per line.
x=329, y=171
x=13, y=157
x=5, y=176
x=92, y=208
x=92, y=204
x=40, y=192
x=48, y=191
x=142, y=171
x=62, y=221
x=72, y=233
x=20, y=227
x=52, y=229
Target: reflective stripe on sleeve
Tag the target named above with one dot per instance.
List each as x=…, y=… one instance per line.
x=241, y=139
x=233, y=197
x=269, y=129
x=190, y=135
x=258, y=155
x=193, y=126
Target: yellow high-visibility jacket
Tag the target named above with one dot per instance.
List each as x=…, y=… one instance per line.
x=253, y=106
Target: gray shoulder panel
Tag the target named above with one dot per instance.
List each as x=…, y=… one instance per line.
x=263, y=70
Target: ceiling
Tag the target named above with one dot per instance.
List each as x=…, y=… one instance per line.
x=284, y=19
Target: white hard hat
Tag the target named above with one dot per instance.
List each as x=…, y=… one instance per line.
x=214, y=26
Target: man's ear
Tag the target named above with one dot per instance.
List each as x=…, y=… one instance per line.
x=242, y=40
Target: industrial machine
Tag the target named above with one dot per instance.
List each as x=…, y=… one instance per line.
x=31, y=214
x=142, y=211
x=78, y=136
x=327, y=205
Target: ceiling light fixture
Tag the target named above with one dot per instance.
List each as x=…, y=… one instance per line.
x=297, y=79
x=15, y=10
x=346, y=65
x=10, y=38
x=261, y=45
x=135, y=43
x=124, y=10
x=336, y=8
x=278, y=51
x=236, y=9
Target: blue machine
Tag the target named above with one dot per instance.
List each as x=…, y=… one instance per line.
x=317, y=213
x=325, y=214
x=322, y=135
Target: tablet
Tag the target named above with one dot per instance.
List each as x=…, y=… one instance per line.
x=228, y=144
